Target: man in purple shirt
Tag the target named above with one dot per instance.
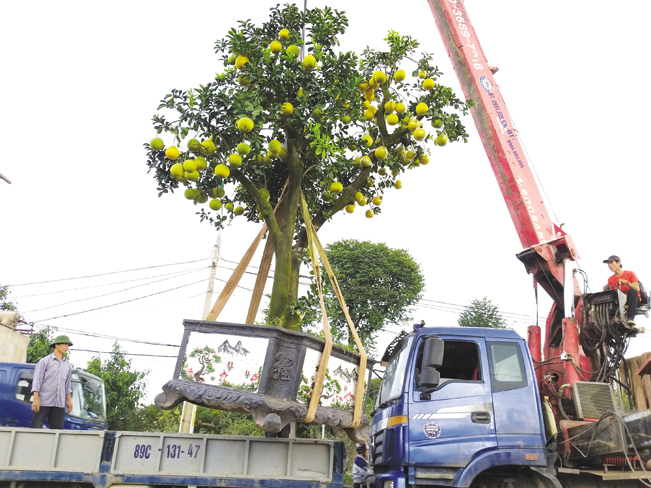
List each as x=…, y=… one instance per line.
x=51, y=387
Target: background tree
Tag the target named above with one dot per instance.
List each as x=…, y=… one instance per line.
x=124, y=386
x=6, y=304
x=335, y=127
x=379, y=285
x=39, y=344
x=482, y=313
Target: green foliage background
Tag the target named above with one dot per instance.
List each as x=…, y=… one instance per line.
x=482, y=313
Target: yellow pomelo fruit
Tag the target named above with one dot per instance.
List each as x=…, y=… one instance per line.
x=369, y=94
x=429, y=84
x=245, y=124
x=194, y=145
x=189, y=165
x=441, y=140
x=422, y=108
x=369, y=214
x=377, y=201
x=437, y=123
x=422, y=75
x=346, y=119
x=399, y=75
x=392, y=119
x=389, y=107
x=309, y=62
x=299, y=93
x=362, y=201
x=172, y=153
x=412, y=125
x=379, y=77
x=373, y=109
x=222, y=171
x=192, y=175
x=215, y=204
x=235, y=159
x=238, y=210
x=424, y=159
x=241, y=61
x=366, y=161
x=381, y=153
x=265, y=193
x=400, y=108
x=208, y=147
x=350, y=208
x=156, y=144
x=398, y=184
x=369, y=114
x=295, y=50
x=276, y=46
x=176, y=170
x=366, y=104
x=367, y=140
x=191, y=193
x=411, y=155
x=243, y=149
x=287, y=108
x=274, y=146
x=229, y=206
x=382, y=171
x=243, y=80
x=216, y=192
x=358, y=196
x=283, y=34
x=201, y=163
x=336, y=187
x=419, y=134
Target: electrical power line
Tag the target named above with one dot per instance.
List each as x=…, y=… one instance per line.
x=123, y=353
x=120, y=303
x=111, y=284
x=110, y=293
x=106, y=274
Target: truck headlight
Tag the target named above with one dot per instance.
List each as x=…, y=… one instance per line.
x=387, y=484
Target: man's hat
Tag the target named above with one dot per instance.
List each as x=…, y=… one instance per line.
x=612, y=258
x=62, y=339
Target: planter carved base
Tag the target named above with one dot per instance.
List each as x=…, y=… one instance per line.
x=270, y=414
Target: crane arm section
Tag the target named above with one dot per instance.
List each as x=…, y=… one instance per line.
x=545, y=245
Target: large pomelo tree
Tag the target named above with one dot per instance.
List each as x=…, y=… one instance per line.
x=286, y=117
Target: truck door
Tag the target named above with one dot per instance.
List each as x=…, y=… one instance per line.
x=518, y=416
x=19, y=398
x=450, y=425
x=3, y=393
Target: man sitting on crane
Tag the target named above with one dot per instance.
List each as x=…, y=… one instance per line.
x=628, y=283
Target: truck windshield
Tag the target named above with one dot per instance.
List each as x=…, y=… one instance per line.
x=394, y=376
x=88, y=398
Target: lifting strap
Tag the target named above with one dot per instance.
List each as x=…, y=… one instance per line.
x=314, y=245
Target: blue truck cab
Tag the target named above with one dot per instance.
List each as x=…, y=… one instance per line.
x=88, y=398
x=456, y=405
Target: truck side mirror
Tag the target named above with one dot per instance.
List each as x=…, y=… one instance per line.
x=432, y=359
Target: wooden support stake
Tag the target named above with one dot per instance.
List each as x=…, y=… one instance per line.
x=235, y=277
x=263, y=272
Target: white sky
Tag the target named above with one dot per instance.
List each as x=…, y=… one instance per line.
x=81, y=81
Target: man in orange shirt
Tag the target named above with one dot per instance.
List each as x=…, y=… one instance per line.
x=627, y=282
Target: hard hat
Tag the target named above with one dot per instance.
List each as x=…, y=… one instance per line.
x=62, y=339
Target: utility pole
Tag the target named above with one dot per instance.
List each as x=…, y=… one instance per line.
x=190, y=409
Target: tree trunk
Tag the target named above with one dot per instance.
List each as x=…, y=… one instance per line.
x=285, y=286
